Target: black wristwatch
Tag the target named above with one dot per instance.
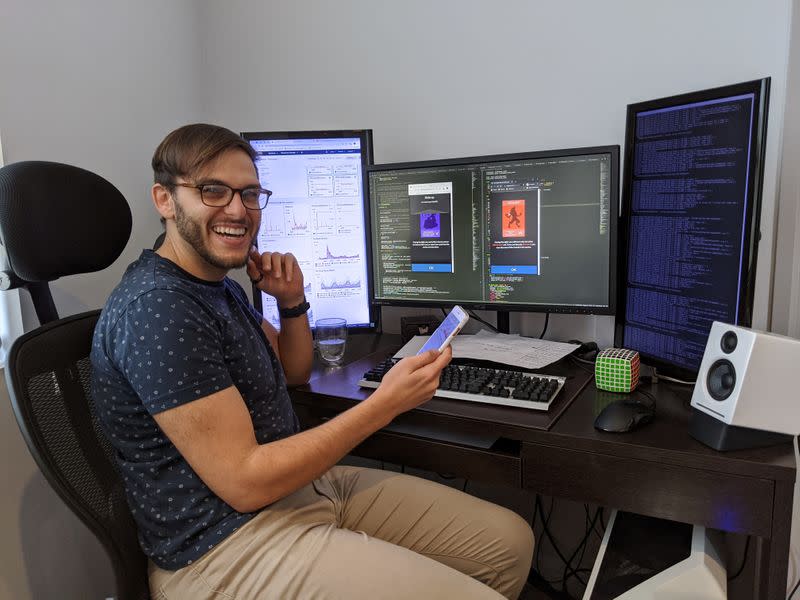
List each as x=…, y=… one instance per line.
x=294, y=311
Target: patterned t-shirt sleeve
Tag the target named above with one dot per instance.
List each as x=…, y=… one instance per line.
x=170, y=350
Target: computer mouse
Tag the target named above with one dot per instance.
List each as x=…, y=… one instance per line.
x=623, y=415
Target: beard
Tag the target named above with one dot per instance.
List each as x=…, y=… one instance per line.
x=192, y=232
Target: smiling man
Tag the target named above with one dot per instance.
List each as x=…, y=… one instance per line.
x=230, y=498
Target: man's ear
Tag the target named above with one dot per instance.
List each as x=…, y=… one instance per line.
x=163, y=200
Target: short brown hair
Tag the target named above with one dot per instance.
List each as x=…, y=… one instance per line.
x=188, y=149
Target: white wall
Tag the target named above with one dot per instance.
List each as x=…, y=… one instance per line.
x=786, y=316
x=471, y=77
x=96, y=84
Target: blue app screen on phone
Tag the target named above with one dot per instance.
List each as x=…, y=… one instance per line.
x=440, y=335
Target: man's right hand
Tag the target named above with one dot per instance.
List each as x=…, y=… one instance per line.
x=412, y=381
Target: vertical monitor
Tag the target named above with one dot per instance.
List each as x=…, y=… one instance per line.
x=317, y=213
x=530, y=231
x=691, y=202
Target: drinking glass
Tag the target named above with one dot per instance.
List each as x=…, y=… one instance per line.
x=331, y=334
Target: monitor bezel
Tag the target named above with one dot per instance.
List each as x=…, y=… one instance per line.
x=610, y=309
x=760, y=90
x=367, y=159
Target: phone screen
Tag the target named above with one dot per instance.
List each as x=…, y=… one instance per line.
x=450, y=324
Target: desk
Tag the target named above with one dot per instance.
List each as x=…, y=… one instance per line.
x=658, y=470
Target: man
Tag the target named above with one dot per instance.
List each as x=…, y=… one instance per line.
x=230, y=498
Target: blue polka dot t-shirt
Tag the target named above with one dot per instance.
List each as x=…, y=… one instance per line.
x=166, y=338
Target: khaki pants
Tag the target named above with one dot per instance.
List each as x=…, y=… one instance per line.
x=362, y=533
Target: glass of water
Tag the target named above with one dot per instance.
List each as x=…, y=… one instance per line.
x=331, y=337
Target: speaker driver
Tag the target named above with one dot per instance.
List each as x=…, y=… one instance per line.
x=721, y=379
x=729, y=342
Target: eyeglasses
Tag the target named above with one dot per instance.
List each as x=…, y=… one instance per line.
x=219, y=195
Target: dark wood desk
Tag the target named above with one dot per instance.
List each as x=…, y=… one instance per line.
x=657, y=470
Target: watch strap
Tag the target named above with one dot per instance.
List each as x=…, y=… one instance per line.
x=294, y=311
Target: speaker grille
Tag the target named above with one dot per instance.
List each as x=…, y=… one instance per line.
x=721, y=379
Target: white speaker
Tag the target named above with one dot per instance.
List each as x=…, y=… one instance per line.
x=746, y=393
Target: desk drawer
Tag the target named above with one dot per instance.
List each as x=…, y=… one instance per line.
x=422, y=450
x=720, y=500
x=442, y=457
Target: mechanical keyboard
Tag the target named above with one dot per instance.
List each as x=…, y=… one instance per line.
x=492, y=386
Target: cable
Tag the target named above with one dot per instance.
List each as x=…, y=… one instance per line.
x=554, y=545
x=603, y=529
x=545, y=522
x=657, y=376
x=583, y=360
x=598, y=516
x=744, y=561
x=794, y=589
x=464, y=487
x=578, y=364
x=586, y=543
x=546, y=322
x=589, y=525
x=650, y=396
x=589, y=348
x=536, y=580
x=581, y=546
x=477, y=318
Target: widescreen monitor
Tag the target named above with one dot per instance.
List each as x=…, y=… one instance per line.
x=689, y=230
x=531, y=231
x=317, y=213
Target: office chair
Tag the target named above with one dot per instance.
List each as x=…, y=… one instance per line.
x=58, y=220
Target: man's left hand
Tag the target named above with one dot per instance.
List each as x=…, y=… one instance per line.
x=278, y=275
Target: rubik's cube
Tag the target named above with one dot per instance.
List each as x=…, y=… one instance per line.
x=617, y=370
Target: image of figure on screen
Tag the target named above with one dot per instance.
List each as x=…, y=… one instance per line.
x=516, y=220
x=431, y=225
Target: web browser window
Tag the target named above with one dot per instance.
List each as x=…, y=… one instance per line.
x=316, y=212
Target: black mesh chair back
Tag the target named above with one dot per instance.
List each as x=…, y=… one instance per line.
x=58, y=220
x=49, y=383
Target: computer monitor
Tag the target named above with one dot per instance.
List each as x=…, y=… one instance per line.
x=691, y=202
x=317, y=213
x=533, y=231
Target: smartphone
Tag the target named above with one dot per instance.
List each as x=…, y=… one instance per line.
x=446, y=330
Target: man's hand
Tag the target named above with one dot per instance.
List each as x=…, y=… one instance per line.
x=412, y=381
x=278, y=275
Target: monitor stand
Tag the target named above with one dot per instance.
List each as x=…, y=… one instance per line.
x=644, y=558
x=503, y=322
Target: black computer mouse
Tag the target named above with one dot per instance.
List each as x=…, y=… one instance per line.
x=623, y=415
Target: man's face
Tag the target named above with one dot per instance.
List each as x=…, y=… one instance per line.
x=221, y=236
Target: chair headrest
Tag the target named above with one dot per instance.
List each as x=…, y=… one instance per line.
x=57, y=220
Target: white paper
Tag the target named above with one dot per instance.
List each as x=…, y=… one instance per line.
x=512, y=350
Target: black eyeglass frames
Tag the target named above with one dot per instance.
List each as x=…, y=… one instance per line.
x=219, y=194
